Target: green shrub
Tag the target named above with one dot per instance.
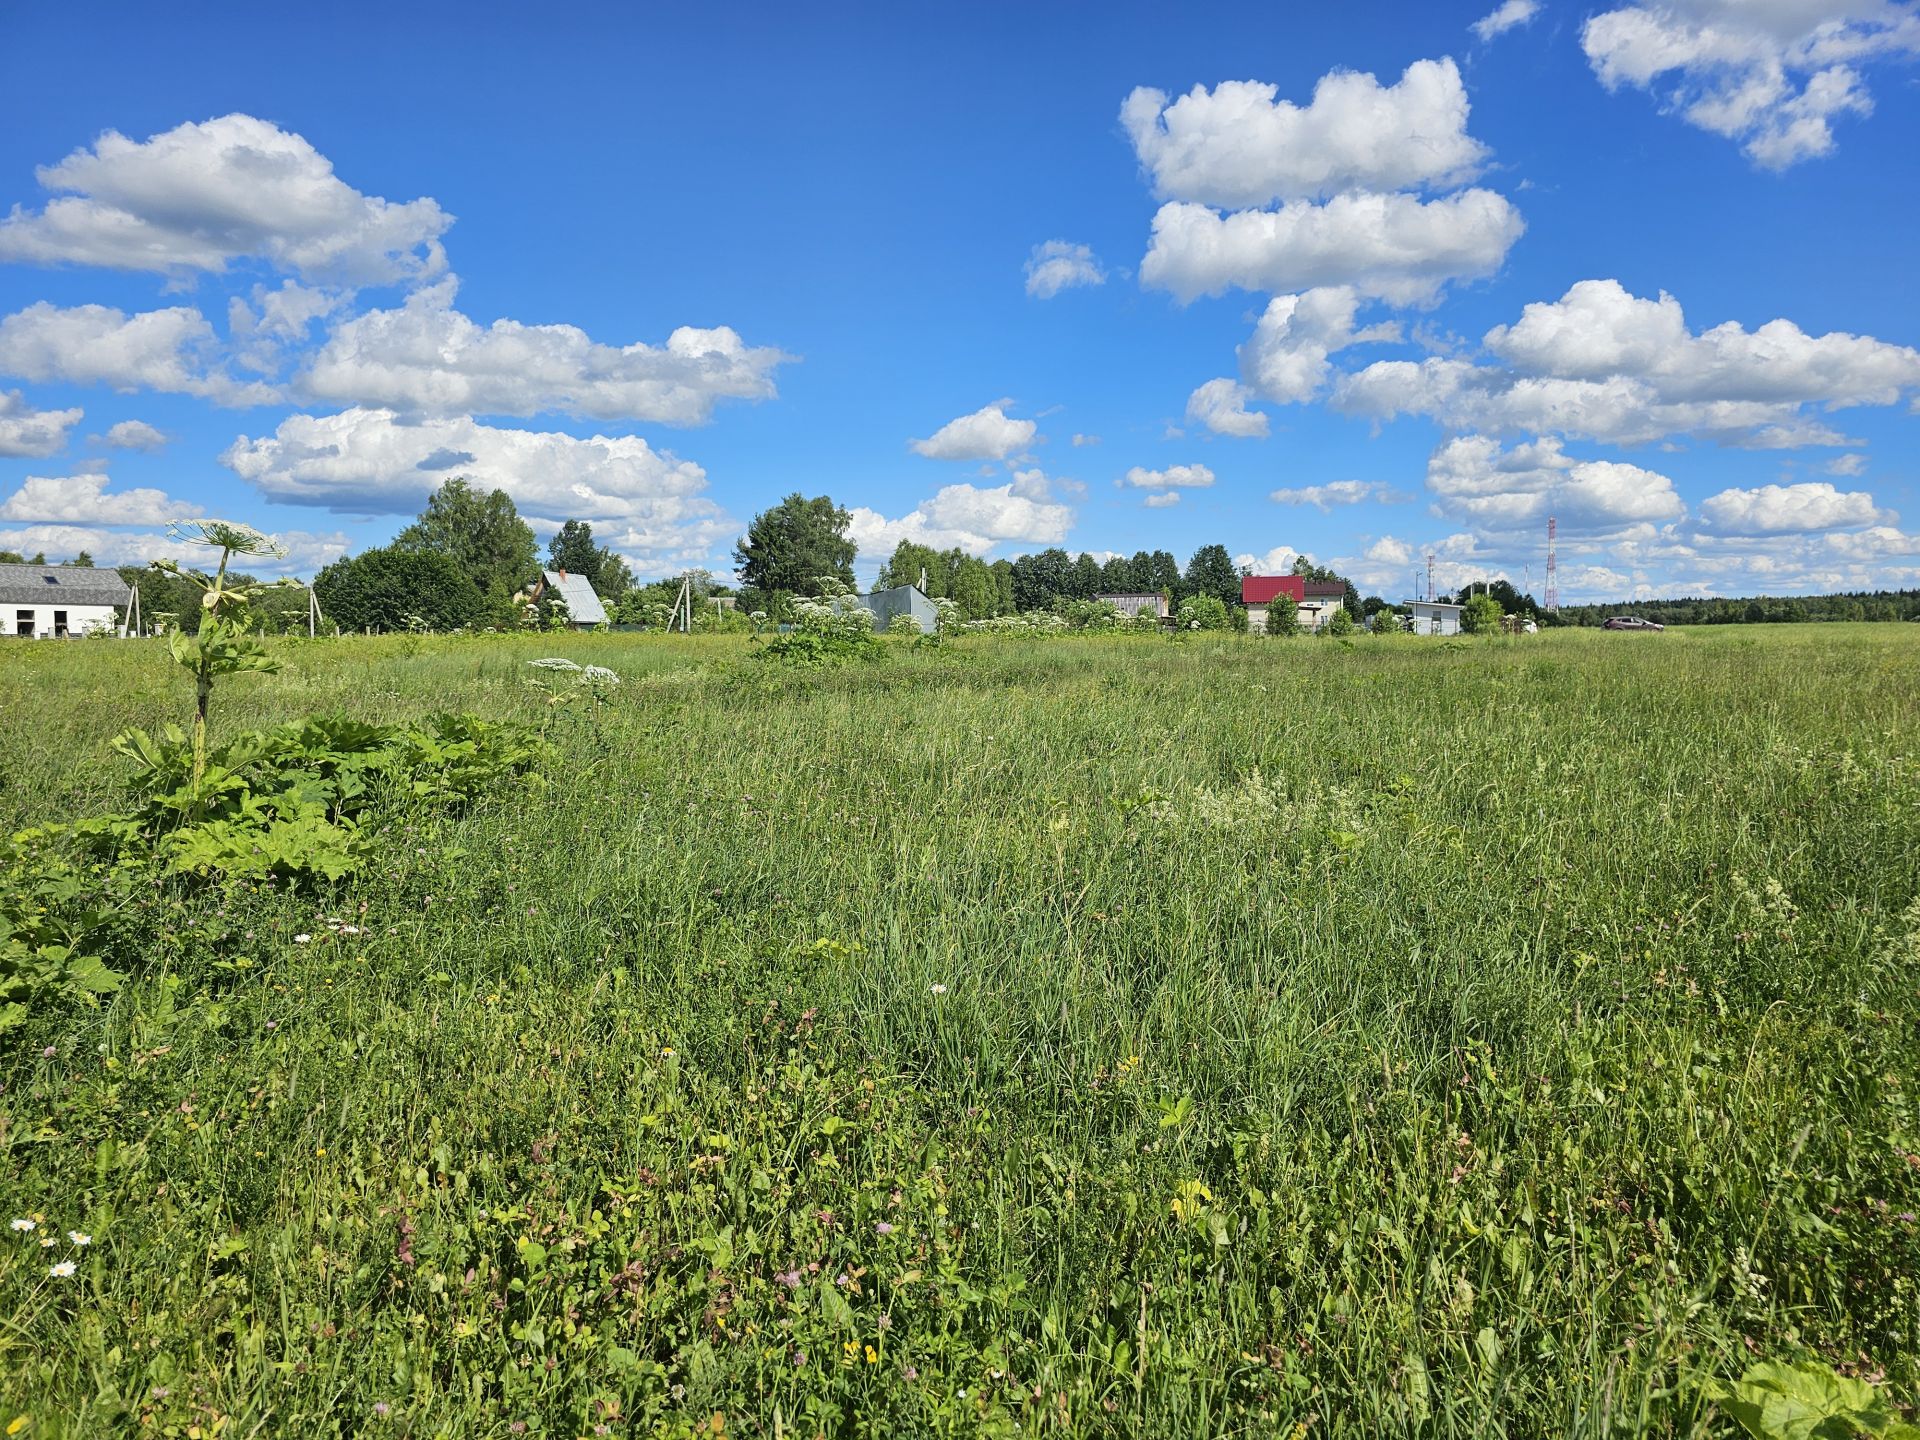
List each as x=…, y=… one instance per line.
x=386, y=589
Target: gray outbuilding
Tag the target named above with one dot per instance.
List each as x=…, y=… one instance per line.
x=901, y=600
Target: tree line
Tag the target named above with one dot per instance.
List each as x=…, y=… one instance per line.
x=469, y=561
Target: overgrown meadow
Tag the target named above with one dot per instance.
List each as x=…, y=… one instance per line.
x=1075, y=1036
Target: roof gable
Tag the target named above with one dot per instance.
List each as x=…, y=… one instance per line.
x=1261, y=589
x=583, y=605
x=61, y=585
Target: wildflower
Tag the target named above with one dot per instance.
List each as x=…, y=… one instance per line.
x=48, y=1243
x=160, y=1392
x=938, y=988
x=799, y=1358
x=61, y=1269
x=910, y=1373
x=22, y=1225
x=273, y=1024
x=381, y=1408
x=301, y=939
x=49, y=1052
x=789, y=1278
x=883, y=1228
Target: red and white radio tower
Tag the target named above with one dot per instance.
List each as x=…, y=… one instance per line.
x=1552, y=597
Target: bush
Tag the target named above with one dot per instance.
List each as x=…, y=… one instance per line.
x=1203, y=612
x=386, y=589
x=1481, y=615
x=1340, y=622
x=828, y=630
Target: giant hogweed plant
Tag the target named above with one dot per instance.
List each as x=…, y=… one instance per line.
x=221, y=644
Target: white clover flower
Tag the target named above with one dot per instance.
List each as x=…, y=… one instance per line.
x=61, y=1270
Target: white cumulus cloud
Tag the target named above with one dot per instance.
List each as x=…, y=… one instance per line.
x=972, y=517
x=83, y=500
x=1787, y=509
x=135, y=435
x=173, y=350
x=1474, y=479
x=1238, y=146
x=1394, y=247
x=203, y=195
x=425, y=356
x=1221, y=406
x=1161, y=501
x=374, y=460
x=1770, y=74
x=1605, y=364
x=989, y=433
x=1060, y=265
x=1286, y=360
x=27, y=432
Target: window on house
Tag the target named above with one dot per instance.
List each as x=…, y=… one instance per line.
x=59, y=622
x=23, y=622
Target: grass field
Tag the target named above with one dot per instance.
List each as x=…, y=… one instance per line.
x=1077, y=1037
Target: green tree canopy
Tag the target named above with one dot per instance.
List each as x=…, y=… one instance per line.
x=481, y=533
x=1211, y=571
x=383, y=589
x=793, y=545
x=573, y=550
x=1040, y=579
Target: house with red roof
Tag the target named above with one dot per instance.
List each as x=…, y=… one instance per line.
x=1257, y=592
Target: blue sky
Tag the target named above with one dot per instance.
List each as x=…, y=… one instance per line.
x=1362, y=282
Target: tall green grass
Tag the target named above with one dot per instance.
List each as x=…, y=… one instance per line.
x=1527, y=1030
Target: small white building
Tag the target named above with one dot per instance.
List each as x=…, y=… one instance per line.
x=44, y=602
x=1434, y=617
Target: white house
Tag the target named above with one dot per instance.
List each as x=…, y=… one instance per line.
x=53, y=601
x=1433, y=617
x=1319, y=599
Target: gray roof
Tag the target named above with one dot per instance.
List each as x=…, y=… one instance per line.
x=900, y=600
x=583, y=606
x=61, y=585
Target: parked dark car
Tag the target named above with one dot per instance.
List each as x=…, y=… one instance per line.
x=1631, y=622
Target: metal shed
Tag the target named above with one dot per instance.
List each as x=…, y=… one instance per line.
x=583, y=606
x=901, y=600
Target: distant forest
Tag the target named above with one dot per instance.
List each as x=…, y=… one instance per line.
x=1757, y=610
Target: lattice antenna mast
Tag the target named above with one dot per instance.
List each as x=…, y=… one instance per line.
x=1429, y=576
x=1552, y=596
